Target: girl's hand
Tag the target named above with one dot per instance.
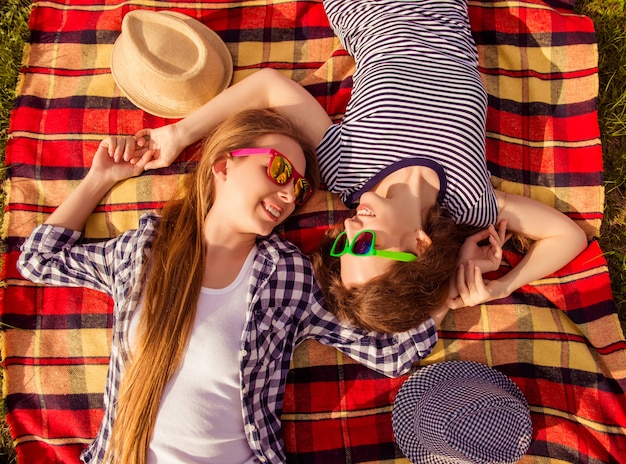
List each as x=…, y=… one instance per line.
x=472, y=289
x=161, y=146
x=486, y=257
x=108, y=162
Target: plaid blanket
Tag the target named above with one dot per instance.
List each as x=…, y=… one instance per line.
x=559, y=339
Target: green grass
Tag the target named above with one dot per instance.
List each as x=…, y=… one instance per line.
x=609, y=17
x=13, y=33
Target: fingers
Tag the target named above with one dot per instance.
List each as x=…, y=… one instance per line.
x=477, y=280
x=150, y=158
x=480, y=235
x=498, y=238
x=129, y=149
x=502, y=234
x=140, y=150
x=144, y=160
x=462, y=289
x=120, y=147
x=456, y=303
x=496, y=247
x=143, y=134
x=142, y=139
x=471, y=275
x=470, y=285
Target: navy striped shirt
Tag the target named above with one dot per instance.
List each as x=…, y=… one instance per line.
x=417, y=100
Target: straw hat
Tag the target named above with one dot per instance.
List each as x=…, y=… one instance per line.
x=461, y=412
x=169, y=64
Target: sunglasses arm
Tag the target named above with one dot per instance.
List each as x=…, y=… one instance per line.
x=396, y=255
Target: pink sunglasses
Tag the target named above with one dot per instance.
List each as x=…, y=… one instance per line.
x=280, y=170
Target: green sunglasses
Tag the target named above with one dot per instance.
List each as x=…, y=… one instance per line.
x=363, y=245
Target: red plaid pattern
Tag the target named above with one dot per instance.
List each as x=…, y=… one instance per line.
x=559, y=339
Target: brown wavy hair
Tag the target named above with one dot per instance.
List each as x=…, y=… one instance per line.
x=173, y=282
x=403, y=297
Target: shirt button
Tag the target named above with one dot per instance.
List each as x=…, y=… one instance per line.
x=243, y=353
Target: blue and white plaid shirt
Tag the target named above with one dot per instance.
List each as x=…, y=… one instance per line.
x=285, y=307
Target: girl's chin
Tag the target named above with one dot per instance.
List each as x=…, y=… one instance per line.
x=264, y=230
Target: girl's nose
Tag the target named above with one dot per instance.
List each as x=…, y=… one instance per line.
x=352, y=228
x=287, y=192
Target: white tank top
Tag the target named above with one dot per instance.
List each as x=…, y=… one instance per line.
x=200, y=416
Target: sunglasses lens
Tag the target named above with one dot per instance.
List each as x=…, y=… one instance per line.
x=363, y=243
x=280, y=169
x=302, y=190
x=340, y=244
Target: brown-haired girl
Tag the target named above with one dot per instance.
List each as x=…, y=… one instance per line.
x=209, y=303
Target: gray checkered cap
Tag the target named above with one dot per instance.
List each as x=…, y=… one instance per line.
x=461, y=412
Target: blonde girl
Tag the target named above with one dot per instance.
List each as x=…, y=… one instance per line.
x=209, y=304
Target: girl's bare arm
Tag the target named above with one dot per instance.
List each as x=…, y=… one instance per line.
x=102, y=176
x=266, y=88
x=557, y=240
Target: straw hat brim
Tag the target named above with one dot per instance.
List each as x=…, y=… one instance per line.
x=174, y=88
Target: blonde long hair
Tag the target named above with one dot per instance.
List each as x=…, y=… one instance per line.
x=173, y=283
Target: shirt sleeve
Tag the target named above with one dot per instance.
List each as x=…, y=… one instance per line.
x=329, y=156
x=54, y=255
x=483, y=212
x=389, y=354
